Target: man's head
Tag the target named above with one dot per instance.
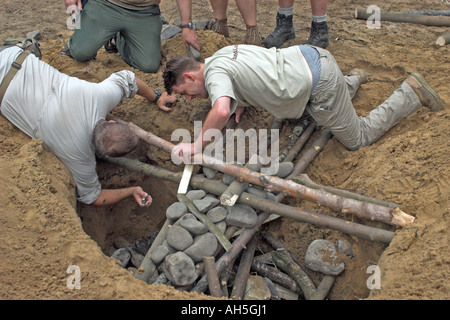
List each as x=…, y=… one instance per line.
x=184, y=76
x=114, y=139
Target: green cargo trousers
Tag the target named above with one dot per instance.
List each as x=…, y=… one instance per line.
x=137, y=32
x=331, y=106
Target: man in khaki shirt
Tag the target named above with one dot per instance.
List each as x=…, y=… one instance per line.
x=286, y=82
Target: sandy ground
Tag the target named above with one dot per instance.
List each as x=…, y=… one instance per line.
x=43, y=230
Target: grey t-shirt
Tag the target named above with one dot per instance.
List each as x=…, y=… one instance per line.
x=278, y=80
x=63, y=111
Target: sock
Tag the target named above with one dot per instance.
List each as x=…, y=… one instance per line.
x=319, y=18
x=286, y=11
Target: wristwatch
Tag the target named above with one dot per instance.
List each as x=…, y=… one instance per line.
x=157, y=94
x=189, y=25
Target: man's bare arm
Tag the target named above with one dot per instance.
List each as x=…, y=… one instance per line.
x=189, y=36
x=113, y=196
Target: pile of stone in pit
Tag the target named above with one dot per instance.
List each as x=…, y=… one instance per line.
x=179, y=258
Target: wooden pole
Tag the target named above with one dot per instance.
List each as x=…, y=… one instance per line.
x=363, y=210
x=284, y=261
x=276, y=275
x=297, y=132
x=437, y=21
x=268, y=207
x=301, y=142
x=240, y=281
x=306, y=181
x=430, y=12
x=443, y=39
x=147, y=267
x=235, y=189
x=213, y=277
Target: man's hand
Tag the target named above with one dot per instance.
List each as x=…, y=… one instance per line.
x=112, y=196
x=239, y=111
x=165, y=102
x=182, y=152
x=69, y=3
x=190, y=38
x=139, y=194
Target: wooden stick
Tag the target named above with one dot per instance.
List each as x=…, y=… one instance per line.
x=443, y=39
x=438, y=21
x=306, y=181
x=275, y=243
x=312, y=152
x=284, y=261
x=298, y=130
x=240, y=282
x=235, y=189
x=213, y=277
x=430, y=12
x=268, y=207
x=276, y=276
x=301, y=142
x=324, y=288
x=147, y=267
x=363, y=210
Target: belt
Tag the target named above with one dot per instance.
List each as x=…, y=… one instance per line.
x=15, y=66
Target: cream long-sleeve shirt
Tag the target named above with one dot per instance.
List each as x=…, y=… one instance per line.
x=63, y=111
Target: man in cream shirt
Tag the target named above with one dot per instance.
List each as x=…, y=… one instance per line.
x=68, y=114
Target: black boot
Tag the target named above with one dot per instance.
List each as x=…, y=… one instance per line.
x=282, y=32
x=319, y=34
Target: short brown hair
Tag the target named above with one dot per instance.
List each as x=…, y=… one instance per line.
x=174, y=70
x=114, y=139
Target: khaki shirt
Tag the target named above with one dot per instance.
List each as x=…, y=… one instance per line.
x=136, y=4
x=277, y=80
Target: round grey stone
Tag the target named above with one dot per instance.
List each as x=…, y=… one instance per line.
x=195, y=194
x=159, y=254
x=204, y=246
x=179, y=269
x=284, y=169
x=241, y=215
x=195, y=227
x=123, y=256
x=176, y=210
x=205, y=204
x=179, y=238
x=217, y=214
x=321, y=256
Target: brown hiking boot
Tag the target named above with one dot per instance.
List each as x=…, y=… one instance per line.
x=427, y=96
x=220, y=26
x=253, y=37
